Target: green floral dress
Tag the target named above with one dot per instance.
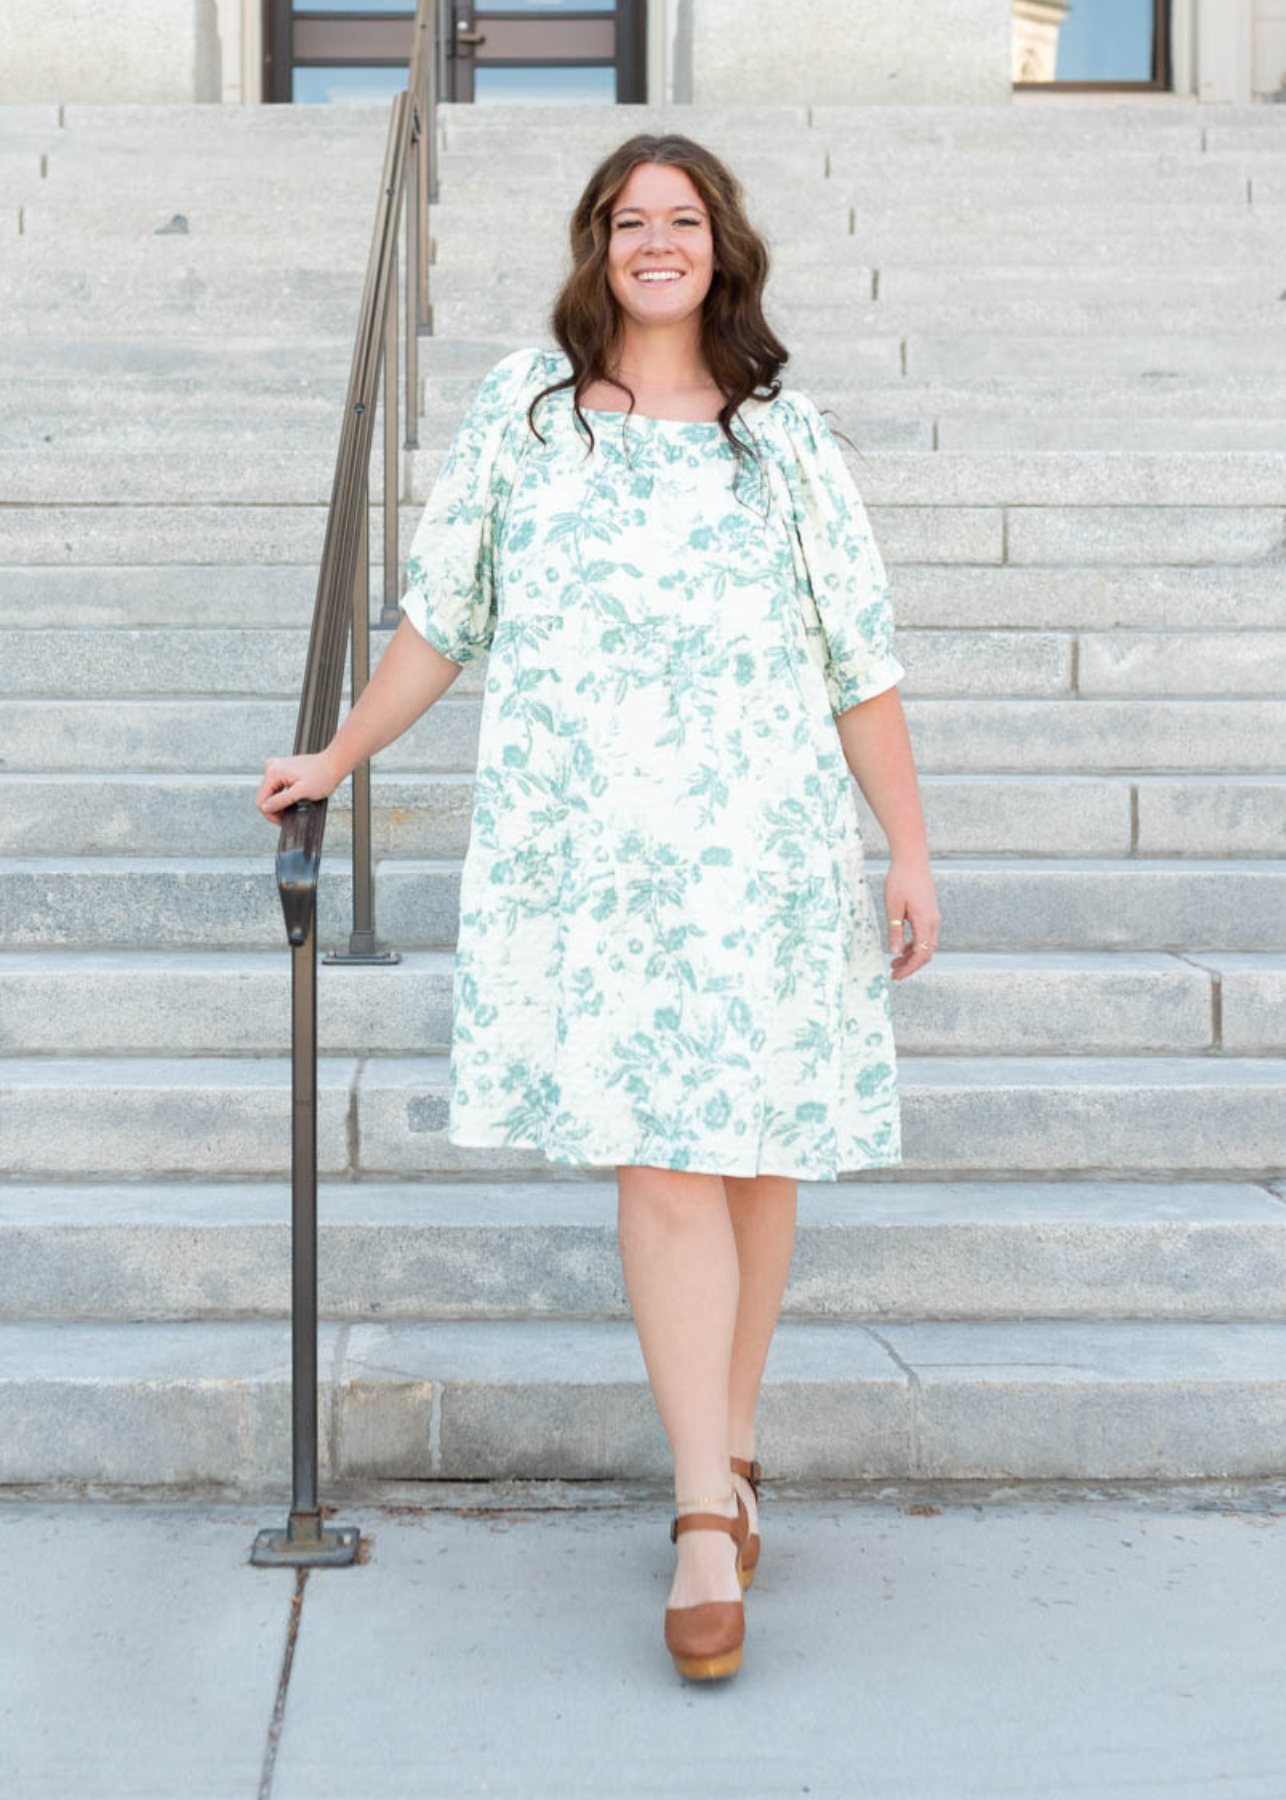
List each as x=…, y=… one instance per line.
x=668, y=952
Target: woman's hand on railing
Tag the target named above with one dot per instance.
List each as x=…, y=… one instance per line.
x=287, y=779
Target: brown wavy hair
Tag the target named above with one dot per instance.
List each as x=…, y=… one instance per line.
x=740, y=349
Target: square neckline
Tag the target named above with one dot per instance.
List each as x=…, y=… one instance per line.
x=621, y=412
x=561, y=361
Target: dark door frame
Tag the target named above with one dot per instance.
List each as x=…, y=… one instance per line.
x=630, y=60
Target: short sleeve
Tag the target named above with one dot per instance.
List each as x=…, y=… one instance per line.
x=450, y=593
x=845, y=571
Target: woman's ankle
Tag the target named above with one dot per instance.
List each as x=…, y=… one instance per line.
x=726, y=1504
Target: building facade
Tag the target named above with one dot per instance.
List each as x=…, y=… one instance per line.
x=712, y=52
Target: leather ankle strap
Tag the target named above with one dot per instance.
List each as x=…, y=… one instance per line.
x=702, y=1521
x=753, y=1471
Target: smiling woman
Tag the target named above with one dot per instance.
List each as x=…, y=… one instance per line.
x=668, y=959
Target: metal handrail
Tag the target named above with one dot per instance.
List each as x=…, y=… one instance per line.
x=343, y=600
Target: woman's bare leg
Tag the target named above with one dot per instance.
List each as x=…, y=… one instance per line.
x=679, y=1260
x=763, y=1210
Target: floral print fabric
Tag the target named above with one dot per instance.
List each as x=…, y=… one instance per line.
x=668, y=952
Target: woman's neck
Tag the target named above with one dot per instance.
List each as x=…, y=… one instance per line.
x=664, y=360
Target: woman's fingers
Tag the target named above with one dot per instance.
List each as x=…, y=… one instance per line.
x=275, y=790
x=911, y=948
x=290, y=779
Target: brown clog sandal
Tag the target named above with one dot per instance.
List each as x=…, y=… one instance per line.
x=706, y=1640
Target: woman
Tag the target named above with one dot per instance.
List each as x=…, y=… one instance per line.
x=668, y=959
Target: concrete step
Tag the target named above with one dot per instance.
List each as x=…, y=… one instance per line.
x=346, y=167
x=1181, y=1117
x=182, y=303
x=61, y=416
x=240, y=367
x=956, y=127
x=1016, y=903
x=453, y=367
x=299, y=224
x=1009, y=1003
x=1041, y=1398
x=1244, y=238
x=122, y=373
x=820, y=319
x=1196, y=195
x=173, y=287
x=791, y=216
x=894, y=286
x=155, y=661
x=1112, y=436
x=427, y=814
x=290, y=473
x=309, y=426
x=178, y=121
x=1041, y=175
x=960, y=522
x=928, y=358
x=954, y=737
x=866, y=1252
x=302, y=230
x=281, y=596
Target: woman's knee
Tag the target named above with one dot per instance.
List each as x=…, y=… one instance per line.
x=680, y=1195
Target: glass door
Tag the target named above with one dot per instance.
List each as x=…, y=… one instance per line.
x=515, y=53
x=543, y=53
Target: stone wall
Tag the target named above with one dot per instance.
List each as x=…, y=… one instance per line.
x=109, y=50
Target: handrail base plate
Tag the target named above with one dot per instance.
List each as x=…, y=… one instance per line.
x=332, y=1547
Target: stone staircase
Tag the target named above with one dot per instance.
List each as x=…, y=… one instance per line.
x=1058, y=333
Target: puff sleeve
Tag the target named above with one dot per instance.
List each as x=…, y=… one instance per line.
x=843, y=570
x=451, y=586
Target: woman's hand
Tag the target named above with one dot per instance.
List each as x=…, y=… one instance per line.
x=287, y=779
x=909, y=893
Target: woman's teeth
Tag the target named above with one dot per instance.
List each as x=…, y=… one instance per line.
x=671, y=275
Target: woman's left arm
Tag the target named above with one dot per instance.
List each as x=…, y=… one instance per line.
x=877, y=748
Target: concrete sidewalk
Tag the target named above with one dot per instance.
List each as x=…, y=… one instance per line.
x=910, y=1642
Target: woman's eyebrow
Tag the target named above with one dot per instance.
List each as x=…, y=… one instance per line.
x=685, y=207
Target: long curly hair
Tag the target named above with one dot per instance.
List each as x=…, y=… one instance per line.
x=740, y=349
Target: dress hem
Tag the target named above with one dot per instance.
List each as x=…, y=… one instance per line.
x=628, y=1159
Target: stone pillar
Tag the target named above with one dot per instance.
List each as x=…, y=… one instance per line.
x=845, y=52
x=1224, y=35
x=109, y=50
x=1036, y=27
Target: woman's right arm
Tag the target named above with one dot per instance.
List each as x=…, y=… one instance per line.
x=410, y=676
x=450, y=597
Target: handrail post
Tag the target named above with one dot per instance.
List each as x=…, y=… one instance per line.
x=305, y=1540
x=345, y=563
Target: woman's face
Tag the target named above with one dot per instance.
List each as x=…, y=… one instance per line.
x=659, y=227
